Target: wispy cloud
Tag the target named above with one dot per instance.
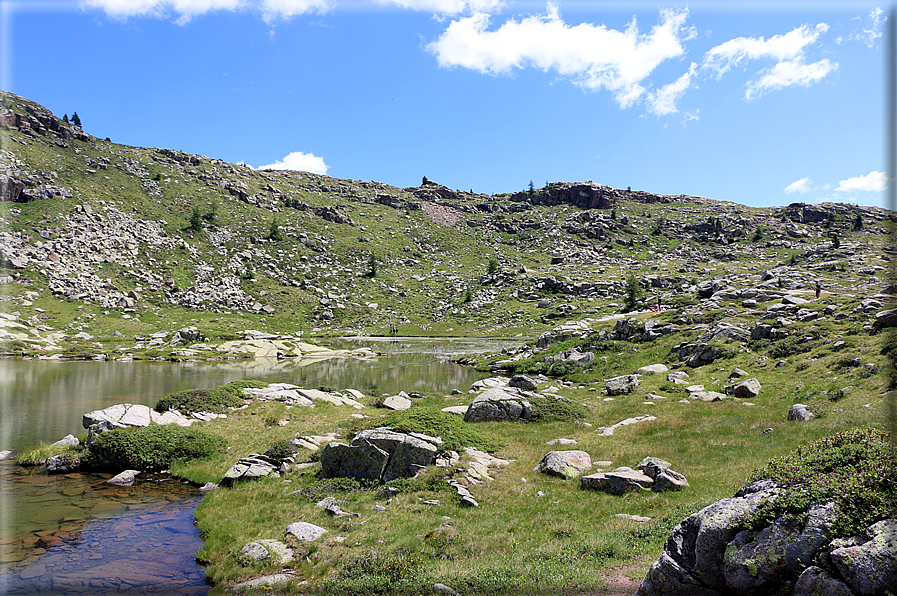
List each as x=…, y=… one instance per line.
x=593, y=57
x=788, y=50
x=302, y=162
x=869, y=29
x=448, y=7
x=186, y=10
x=663, y=102
x=801, y=186
x=871, y=182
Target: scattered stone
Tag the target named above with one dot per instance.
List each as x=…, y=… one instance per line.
x=125, y=478
x=609, y=430
x=252, y=467
x=653, y=369
x=397, y=402
x=800, y=413
x=134, y=415
x=67, y=441
x=636, y=518
x=208, y=487
x=523, y=382
x=304, y=531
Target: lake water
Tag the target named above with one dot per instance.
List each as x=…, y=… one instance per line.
x=75, y=534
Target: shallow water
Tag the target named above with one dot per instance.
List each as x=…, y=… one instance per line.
x=74, y=534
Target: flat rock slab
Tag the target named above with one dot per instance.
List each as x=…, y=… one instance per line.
x=565, y=464
x=606, y=431
x=620, y=481
x=396, y=403
x=335, y=399
x=653, y=369
x=266, y=581
x=134, y=415
x=305, y=532
x=261, y=550
x=459, y=410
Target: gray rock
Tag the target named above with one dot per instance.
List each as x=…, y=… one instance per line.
x=817, y=582
x=304, y=531
x=499, y=404
x=762, y=561
x=653, y=369
x=565, y=464
x=125, y=478
x=410, y=457
x=620, y=481
x=886, y=318
x=800, y=413
x=523, y=382
x=67, y=441
x=59, y=464
x=871, y=567
x=622, y=385
x=745, y=389
x=396, y=402
x=252, y=467
x=361, y=462
x=134, y=415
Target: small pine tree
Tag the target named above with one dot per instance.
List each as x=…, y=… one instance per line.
x=274, y=231
x=547, y=185
x=493, y=266
x=424, y=181
x=195, y=221
x=468, y=296
x=532, y=189
x=65, y=118
x=758, y=234
x=836, y=241
x=633, y=291
x=858, y=222
x=76, y=120
x=372, y=266
x=658, y=227
x=613, y=213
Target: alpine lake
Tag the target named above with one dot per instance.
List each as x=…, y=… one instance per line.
x=75, y=534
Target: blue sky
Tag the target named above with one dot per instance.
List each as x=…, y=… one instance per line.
x=760, y=103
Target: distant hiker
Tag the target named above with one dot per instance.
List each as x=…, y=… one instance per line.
x=818, y=288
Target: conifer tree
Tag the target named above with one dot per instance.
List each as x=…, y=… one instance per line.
x=76, y=120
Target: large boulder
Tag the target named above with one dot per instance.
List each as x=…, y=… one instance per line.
x=620, y=481
x=745, y=389
x=709, y=553
x=503, y=404
x=565, y=464
x=379, y=454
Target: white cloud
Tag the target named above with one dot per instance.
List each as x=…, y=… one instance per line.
x=871, y=182
x=801, y=186
x=736, y=51
x=299, y=161
x=787, y=74
x=593, y=57
x=448, y=7
x=664, y=101
x=787, y=50
x=187, y=9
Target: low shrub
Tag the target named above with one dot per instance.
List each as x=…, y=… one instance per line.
x=556, y=410
x=218, y=399
x=854, y=469
x=38, y=456
x=154, y=447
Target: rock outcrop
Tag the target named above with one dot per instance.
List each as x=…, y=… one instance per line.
x=379, y=454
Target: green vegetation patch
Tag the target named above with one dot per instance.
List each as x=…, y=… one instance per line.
x=557, y=410
x=156, y=446
x=436, y=423
x=856, y=469
x=208, y=400
x=40, y=454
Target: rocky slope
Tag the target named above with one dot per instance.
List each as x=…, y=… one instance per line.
x=99, y=237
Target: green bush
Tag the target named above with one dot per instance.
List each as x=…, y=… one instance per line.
x=855, y=469
x=556, y=410
x=207, y=400
x=156, y=446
